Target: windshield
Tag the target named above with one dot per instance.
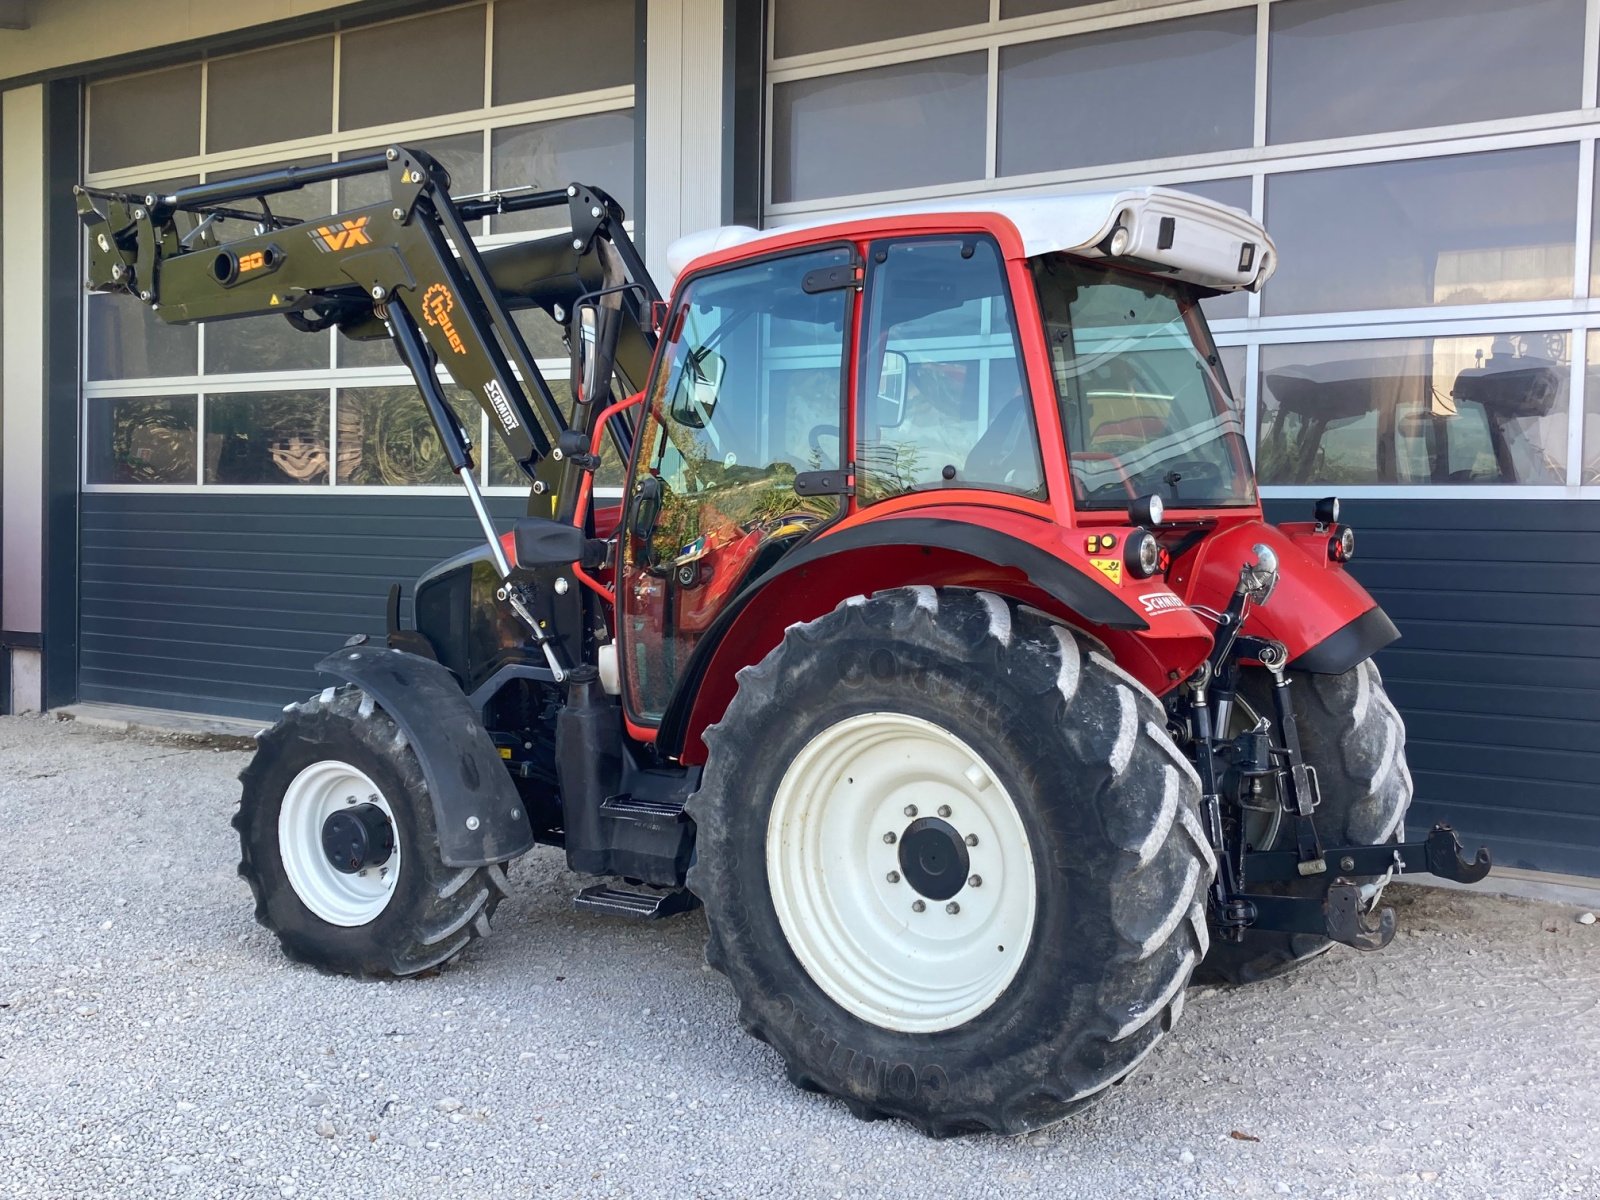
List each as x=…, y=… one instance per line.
x=1144, y=401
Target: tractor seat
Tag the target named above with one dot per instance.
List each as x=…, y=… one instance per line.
x=1128, y=429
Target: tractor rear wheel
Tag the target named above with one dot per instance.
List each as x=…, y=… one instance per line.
x=1353, y=737
x=950, y=861
x=339, y=846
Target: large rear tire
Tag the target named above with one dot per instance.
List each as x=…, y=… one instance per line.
x=406, y=916
x=950, y=862
x=1352, y=735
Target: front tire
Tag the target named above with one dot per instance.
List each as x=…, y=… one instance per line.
x=994, y=745
x=1352, y=736
x=408, y=915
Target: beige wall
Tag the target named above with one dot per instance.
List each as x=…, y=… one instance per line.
x=64, y=32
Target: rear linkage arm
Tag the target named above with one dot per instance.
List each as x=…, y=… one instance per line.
x=406, y=267
x=1340, y=913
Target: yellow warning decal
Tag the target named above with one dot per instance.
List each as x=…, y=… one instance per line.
x=1111, y=568
x=505, y=751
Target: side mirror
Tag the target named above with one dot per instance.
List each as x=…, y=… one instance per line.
x=658, y=316
x=891, y=394
x=694, y=400
x=581, y=340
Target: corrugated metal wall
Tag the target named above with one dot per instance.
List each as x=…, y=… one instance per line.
x=1497, y=672
x=221, y=603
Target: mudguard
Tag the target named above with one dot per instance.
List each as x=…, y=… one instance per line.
x=480, y=817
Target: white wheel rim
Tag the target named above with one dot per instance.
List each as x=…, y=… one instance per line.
x=853, y=927
x=316, y=793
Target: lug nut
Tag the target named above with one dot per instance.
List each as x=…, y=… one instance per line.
x=918, y=906
x=952, y=908
x=893, y=876
x=975, y=881
x=889, y=839
x=911, y=810
x=944, y=810
x=972, y=839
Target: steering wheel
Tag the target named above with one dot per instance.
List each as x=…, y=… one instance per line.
x=1193, y=471
x=818, y=432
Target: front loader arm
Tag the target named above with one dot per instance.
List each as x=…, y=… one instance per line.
x=366, y=270
x=407, y=268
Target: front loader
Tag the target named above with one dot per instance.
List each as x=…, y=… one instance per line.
x=937, y=645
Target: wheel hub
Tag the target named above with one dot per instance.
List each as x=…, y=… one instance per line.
x=933, y=858
x=357, y=838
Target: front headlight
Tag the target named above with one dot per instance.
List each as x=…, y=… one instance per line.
x=1342, y=545
x=1142, y=554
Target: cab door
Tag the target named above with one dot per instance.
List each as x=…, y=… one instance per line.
x=742, y=419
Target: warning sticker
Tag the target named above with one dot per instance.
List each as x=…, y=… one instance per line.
x=1111, y=568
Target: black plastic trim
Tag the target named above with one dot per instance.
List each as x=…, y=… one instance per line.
x=1075, y=589
x=1349, y=644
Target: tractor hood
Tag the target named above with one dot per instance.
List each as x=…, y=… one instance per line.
x=1196, y=240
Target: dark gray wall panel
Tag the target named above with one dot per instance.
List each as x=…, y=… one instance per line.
x=221, y=603
x=1497, y=672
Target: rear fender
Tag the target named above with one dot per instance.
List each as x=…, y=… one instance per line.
x=1326, y=620
x=479, y=815
x=1030, y=564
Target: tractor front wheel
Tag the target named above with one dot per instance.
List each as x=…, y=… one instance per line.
x=950, y=861
x=338, y=845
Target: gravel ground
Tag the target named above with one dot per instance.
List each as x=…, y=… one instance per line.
x=154, y=1043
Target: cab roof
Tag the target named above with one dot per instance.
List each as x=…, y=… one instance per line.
x=1178, y=233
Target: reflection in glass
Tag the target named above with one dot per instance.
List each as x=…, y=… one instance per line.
x=141, y=439
x=1490, y=408
x=1463, y=229
x=1119, y=95
x=941, y=398
x=265, y=343
x=386, y=437
x=1591, y=413
x=267, y=438
x=888, y=127
x=595, y=149
x=128, y=341
x=1340, y=69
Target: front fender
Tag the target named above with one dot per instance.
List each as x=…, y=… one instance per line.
x=479, y=815
x=1325, y=619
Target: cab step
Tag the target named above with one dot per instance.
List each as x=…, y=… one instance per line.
x=643, y=810
x=645, y=906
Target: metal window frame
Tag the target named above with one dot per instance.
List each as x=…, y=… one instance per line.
x=1578, y=315
x=483, y=121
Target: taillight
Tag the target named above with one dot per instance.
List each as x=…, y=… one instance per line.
x=1342, y=545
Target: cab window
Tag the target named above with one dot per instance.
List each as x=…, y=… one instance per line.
x=942, y=402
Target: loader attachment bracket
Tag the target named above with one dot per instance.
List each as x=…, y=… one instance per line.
x=476, y=807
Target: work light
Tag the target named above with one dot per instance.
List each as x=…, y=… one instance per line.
x=1342, y=545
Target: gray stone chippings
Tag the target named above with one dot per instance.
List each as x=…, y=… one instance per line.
x=177, y=1054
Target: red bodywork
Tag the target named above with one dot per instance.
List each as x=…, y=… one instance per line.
x=1315, y=597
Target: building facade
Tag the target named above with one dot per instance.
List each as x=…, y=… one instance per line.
x=192, y=515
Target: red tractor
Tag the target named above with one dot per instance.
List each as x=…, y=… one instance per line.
x=937, y=644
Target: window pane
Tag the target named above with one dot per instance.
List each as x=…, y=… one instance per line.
x=543, y=48
x=461, y=155
x=379, y=352
x=1466, y=229
x=1591, y=413
x=302, y=204
x=267, y=437
x=1142, y=404
x=143, y=439
x=1480, y=409
x=596, y=150
x=1235, y=193
x=403, y=70
x=146, y=119
x=265, y=343
x=1147, y=91
x=806, y=26
x=128, y=341
x=546, y=339
x=1342, y=68
x=1028, y=8
x=890, y=127
x=942, y=398
x=269, y=95
x=1233, y=359
x=387, y=437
